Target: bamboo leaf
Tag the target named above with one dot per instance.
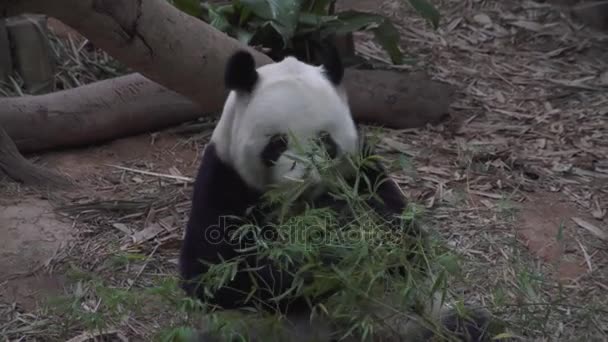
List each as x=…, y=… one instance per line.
x=439, y=282
x=384, y=32
x=319, y=7
x=192, y=7
x=282, y=14
x=244, y=36
x=503, y=336
x=217, y=19
x=388, y=37
x=427, y=11
x=350, y=21
x=315, y=20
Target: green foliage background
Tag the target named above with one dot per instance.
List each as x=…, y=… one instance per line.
x=261, y=22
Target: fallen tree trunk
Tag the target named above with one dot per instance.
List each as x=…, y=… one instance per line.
x=187, y=55
x=93, y=113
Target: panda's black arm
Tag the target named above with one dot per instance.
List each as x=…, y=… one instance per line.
x=392, y=203
x=219, y=193
x=391, y=206
x=393, y=200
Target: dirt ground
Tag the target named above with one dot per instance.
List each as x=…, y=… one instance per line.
x=516, y=182
x=33, y=233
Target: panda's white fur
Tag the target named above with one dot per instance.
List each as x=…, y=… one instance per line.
x=289, y=96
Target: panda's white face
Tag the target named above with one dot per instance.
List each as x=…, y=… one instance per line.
x=263, y=132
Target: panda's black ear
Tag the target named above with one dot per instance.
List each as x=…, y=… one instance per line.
x=332, y=63
x=241, y=74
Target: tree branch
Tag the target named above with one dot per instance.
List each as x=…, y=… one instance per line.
x=159, y=41
x=93, y=113
x=22, y=170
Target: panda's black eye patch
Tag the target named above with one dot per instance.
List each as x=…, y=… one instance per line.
x=273, y=150
x=329, y=144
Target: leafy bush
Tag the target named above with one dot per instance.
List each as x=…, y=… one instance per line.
x=289, y=25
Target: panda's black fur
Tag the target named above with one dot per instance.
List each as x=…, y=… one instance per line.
x=240, y=72
x=221, y=193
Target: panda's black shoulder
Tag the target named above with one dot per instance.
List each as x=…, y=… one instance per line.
x=219, y=185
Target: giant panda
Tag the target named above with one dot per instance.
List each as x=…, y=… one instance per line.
x=250, y=151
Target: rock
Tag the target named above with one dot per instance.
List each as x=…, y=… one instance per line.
x=31, y=52
x=6, y=62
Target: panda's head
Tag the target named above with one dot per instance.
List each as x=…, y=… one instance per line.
x=275, y=113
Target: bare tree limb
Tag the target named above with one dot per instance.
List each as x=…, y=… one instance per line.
x=20, y=169
x=93, y=113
